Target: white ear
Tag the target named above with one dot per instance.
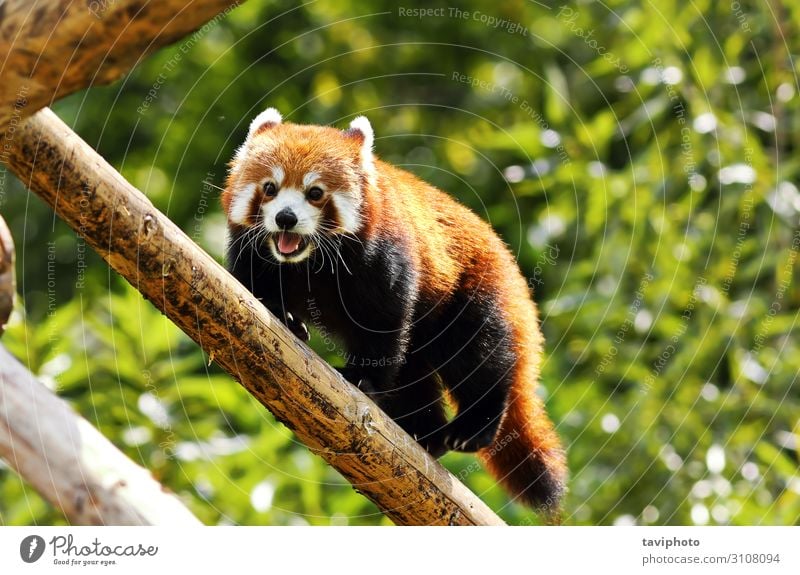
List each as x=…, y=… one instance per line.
x=268, y=116
x=362, y=129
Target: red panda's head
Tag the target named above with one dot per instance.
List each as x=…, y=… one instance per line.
x=293, y=186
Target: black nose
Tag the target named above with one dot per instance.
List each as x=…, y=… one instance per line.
x=286, y=219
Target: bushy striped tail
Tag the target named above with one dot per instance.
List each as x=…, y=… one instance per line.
x=526, y=456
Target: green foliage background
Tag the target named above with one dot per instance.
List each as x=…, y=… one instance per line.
x=639, y=157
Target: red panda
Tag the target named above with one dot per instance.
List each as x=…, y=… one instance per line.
x=427, y=300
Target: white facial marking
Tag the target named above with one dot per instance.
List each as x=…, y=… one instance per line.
x=240, y=204
x=294, y=200
x=278, y=174
x=348, y=208
x=310, y=178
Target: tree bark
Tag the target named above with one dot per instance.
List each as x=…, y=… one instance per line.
x=7, y=285
x=333, y=418
x=71, y=464
x=52, y=48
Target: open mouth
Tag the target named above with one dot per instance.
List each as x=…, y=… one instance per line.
x=289, y=244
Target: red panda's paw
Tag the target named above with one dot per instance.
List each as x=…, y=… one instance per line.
x=297, y=327
x=356, y=376
x=365, y=386
x=432, y=444
x=460, y=434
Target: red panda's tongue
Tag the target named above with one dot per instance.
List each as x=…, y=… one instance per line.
x=288, y=242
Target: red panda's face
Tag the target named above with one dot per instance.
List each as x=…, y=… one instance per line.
x=295, y=186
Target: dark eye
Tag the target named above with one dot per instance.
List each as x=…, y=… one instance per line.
x=314, y=194
x=270, y=189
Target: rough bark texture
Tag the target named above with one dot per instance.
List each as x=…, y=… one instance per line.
x=332, y=417
x=7, y=286
x=51, y=48
x=71, y=464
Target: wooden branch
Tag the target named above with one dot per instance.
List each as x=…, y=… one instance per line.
x=329, y=415
x=71, y=464
x=53, y=48
x=7, y=285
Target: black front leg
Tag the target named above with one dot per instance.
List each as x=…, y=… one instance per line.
x=260, y=277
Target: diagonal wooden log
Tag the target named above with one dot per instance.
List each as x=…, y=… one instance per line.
x=73, y=465
x=333, y=418
x=51, y=48
x=7, y=284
